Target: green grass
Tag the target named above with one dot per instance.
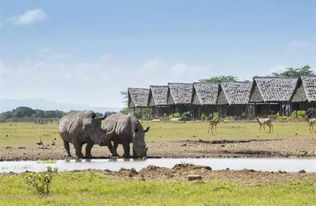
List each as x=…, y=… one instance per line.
x=96, y=188
x=46, y=161
x=237, y=130
x=26, y=134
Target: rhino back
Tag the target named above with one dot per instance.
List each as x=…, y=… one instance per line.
x=121, y=124
x=70, y=126
x=64, y=124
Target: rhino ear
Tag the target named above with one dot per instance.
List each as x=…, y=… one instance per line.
x=146, y=130
x=102, y=118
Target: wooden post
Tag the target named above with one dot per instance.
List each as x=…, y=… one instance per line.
x=141, y=113
x=219, y=109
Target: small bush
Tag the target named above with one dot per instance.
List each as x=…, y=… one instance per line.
x=230, y=118
x=300, y=114
x=186, y=116
x=215, y=116
x=283, y=118
x=175, y=115
x=41, y=181
x=203, y=117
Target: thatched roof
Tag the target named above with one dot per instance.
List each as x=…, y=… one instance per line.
x=204, y=93
x=137, y=97
x=180, y=93
x=234, y=93
x=305, y=89
x=272, y=89
x=158, y=95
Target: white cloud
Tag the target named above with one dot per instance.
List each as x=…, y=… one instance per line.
x=155, y=71
x=151, y=65
x=277, y=69
x=95, y=83
x=27, y=18
x=181, y=70
x=49, y=53
x=107, y=57
x=297, y=44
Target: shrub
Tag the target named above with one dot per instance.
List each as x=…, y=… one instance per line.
x=283, y=118
x=300, y=114
x=230, y=118
x=186, y=116
x=175, y=115
x=203, y=117
x=41, y=181
x=215, y=116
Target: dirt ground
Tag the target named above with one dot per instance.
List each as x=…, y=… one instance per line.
x=183, y=171
x=302, y=147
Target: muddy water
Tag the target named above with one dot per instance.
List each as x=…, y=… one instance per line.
x=288, y=165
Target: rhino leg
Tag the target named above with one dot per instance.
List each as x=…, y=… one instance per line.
x=111, y=149
x=66, y=146
x=126, y=150
x=88, y=149
x=78, y=147
x=115, y=145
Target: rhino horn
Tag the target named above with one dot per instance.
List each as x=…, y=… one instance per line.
x=101, y=118
x=146, y=130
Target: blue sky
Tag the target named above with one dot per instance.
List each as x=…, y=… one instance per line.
x=86, y=52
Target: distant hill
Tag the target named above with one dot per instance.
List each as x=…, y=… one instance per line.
x=43, y=104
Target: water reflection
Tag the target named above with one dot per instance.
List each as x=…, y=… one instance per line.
x=115, y=164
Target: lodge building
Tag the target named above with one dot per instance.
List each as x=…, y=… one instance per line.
x=243, y=100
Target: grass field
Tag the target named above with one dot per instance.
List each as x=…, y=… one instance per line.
x=96, y=188
x=26, y=134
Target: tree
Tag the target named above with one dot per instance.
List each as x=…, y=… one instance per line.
x=125, y=97
x=26, y=112
x=5, y=115
x=219, y=79
x=125, y=110
x=295, y=72
x=21, y=112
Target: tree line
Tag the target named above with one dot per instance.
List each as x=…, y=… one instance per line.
x=288, y=72
x=27, y=112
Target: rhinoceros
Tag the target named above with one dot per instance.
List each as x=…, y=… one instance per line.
x=83, y=128
x=127, y=129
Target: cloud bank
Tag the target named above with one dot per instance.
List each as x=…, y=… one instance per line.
x=61, y=77
x=29, y=17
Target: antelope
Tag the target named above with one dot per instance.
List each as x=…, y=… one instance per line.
x=312, y=123
x=265, y=121
x=212, y=125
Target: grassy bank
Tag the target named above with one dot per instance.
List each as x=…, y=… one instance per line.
x=236, y=130
x=26, y=134
x=96, y=188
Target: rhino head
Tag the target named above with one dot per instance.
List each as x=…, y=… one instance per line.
x=139, y=146
x=92, y=126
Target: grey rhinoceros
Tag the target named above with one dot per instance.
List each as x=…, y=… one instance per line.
x=127, y=129
x=83, y=128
